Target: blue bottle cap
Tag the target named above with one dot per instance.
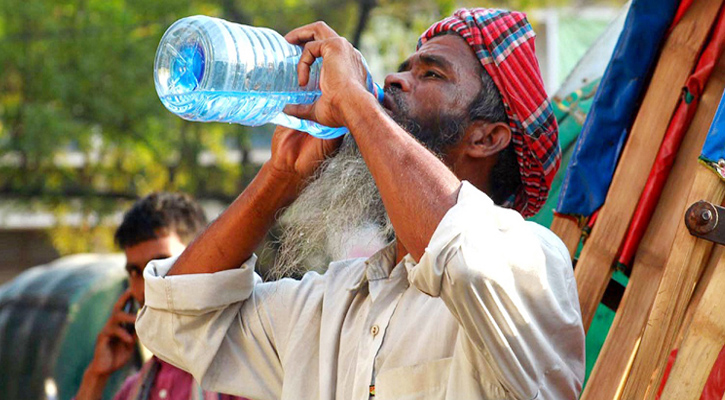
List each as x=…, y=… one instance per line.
x=187, y=67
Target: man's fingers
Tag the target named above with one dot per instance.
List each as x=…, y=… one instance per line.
x=310, y=53
x=122, y=300
x=122, y=335
x=314, y=31
x=331, y=146
x=301, y=111
x=123, y=317
x=115, y=332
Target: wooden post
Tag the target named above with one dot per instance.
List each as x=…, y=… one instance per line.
x=684, y=266
x=617, y=354
x=702, y=283
x=568, y=230
x=702, y=343
x=679, y=56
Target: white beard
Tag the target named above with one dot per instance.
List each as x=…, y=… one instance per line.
x=339, y=215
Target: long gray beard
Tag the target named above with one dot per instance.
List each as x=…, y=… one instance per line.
x=339, y=215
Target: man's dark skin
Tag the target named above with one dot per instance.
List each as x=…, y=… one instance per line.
x=416, y=187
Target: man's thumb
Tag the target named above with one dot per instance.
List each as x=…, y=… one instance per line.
x=301, y=111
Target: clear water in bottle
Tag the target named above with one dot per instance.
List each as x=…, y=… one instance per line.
x=208, y=69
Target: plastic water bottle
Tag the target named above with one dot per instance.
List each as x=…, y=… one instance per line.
x=208, y=69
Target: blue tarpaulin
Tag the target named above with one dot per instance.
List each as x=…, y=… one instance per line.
x=713, y=152
x=597, y=151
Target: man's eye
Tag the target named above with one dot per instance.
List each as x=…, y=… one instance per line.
x=432, y=74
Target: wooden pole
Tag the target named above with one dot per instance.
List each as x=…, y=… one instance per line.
x=568, y=230
x=617, y=354
x=700, y=288
x=679, y=55
x=684, y=266
x=702, y=343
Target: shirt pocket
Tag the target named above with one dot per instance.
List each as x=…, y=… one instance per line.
x=427, y=380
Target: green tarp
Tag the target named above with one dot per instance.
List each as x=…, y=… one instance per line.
x=49, y=319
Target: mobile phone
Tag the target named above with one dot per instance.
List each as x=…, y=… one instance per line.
x=129, y=307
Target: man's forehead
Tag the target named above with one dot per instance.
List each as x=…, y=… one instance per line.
x=160, y=247
x=450, y=47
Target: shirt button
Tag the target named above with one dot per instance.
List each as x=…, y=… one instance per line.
x=374, y=330
x=163, y=393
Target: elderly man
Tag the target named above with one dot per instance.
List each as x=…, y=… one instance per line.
x=469, y=301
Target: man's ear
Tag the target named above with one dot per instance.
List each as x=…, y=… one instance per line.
x=484, y=139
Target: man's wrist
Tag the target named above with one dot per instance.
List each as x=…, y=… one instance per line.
x=92, y=385
x=96, y=373
x=286, y=184
x=356, y=104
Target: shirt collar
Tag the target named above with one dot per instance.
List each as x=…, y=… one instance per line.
x=378, y=266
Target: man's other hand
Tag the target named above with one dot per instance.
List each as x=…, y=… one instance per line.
x=298, y=153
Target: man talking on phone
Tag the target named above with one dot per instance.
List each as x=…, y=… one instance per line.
x=158, y=226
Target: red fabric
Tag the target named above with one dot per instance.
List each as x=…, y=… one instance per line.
x=504, y=42
x=666, y=375
x=673, y=138
x=684, y=6
x=714, y=386
x=177, y=384
x=593, y=219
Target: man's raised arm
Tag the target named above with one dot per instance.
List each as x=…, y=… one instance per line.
x=416, y=187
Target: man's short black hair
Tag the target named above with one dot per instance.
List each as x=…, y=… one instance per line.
x=160, y=214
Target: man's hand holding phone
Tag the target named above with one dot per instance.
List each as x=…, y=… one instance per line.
x=116, y=342
x=114, y=347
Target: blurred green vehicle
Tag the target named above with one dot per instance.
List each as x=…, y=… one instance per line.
x=50, y=316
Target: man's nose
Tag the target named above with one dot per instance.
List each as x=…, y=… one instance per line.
x=400, y=80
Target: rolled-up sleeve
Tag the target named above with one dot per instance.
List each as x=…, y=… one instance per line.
x=211, y=326
x=510, y=285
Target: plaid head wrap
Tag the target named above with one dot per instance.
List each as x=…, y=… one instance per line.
x=504, y=42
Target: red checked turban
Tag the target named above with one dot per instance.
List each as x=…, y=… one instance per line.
x=504, y=42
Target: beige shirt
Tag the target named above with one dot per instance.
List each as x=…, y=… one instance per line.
x=490, y=312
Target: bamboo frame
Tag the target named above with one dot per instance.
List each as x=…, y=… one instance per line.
x=702, y=342
x=684, y=266
x=679, y=56
x=617, y=354
x=568, y=230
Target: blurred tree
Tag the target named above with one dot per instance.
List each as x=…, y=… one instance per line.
x=80, y=119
